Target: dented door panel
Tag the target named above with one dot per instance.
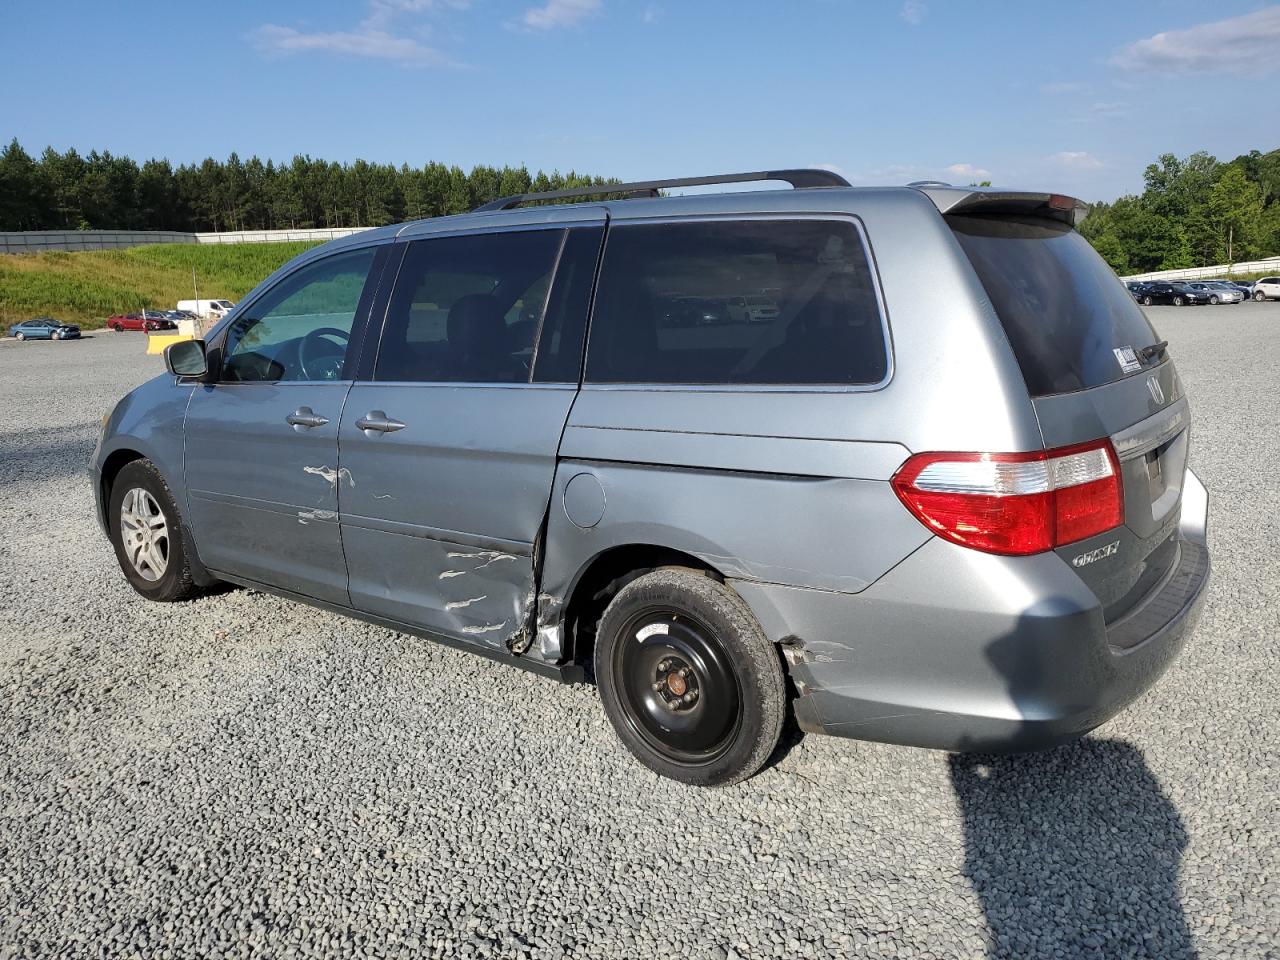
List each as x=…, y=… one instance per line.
x=440, y=517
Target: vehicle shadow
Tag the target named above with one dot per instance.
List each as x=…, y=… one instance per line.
x=1073, y=851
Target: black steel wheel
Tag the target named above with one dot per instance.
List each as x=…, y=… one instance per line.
x=687, y=678
x=678, y=689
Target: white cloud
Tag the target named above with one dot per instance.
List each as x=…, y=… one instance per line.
x=968, y=170
x=1248, y=44
x=913, y=11
x=361, y=42
x=1102, y=111
x=652, y=13
x=1077, y=160
x=375, y=37
x=1063, y=87
x=559, y=13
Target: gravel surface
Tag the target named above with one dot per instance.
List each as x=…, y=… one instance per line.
x=240, y=776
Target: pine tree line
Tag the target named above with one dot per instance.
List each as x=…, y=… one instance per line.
x=101, y=191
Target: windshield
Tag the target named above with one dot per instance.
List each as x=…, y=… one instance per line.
x=1069, y=319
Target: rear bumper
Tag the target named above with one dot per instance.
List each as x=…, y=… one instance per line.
x=959, y=650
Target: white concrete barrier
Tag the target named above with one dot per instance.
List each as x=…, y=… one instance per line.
x=39, y=241
x=1269, y=265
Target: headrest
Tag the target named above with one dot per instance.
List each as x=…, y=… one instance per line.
x=475, y=323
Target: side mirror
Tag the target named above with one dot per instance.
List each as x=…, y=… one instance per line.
x=186, y=358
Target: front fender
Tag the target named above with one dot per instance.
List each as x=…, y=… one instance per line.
x=149, y=421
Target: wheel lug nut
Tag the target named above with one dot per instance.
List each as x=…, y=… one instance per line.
x=684, y=671
x=657, y=687
x=664, y=666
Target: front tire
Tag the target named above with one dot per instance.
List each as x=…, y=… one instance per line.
x=688, y=679
x=20, y=335
x=1259, y=297
x=1178, y=301
x=1214, y=300
x=147, y=533
x=1147, y=301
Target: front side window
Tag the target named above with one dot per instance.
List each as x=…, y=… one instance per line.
x=737, y=302
x=468, y=309
x=299, y=330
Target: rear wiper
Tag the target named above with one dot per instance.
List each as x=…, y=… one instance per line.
x=1147, y=354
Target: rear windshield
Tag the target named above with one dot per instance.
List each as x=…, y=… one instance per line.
x=1064, y=311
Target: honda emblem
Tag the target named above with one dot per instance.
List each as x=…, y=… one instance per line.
x=1156, y=391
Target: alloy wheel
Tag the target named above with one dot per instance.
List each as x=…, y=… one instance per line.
x=144, y=531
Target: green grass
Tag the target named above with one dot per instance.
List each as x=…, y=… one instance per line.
x=88, y=287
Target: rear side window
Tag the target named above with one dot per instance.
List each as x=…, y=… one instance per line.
x=1062, y=308
x=737, y=302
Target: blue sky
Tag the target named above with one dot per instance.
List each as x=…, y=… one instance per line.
x=1075, y=96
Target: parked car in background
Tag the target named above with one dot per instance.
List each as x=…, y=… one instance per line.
x=1268, y=288
x=44, y=328
x=148, y=322
x=1244, y=286
x=1177, y=294
x=1217, y=292
x=206, y=308
x=1135, y=287
x=978, y=533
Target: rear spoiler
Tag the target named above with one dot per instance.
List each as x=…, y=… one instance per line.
x=992, y=200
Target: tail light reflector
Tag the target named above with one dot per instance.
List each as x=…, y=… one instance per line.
x=1015, y=503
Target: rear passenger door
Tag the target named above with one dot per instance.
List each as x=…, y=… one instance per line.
x=450, y=439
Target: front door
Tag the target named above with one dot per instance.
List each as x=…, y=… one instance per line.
x=262, y=470
x=449, y=450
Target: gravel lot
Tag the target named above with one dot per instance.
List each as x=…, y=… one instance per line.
x=239, y=776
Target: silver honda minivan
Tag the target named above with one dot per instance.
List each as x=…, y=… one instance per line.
x=953, y=514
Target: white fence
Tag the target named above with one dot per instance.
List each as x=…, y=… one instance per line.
x=1270, y=265
x=38, y=241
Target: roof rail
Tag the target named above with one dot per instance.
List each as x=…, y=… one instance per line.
x=799, y=179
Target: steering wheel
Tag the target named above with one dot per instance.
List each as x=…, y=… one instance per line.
x=321, y=359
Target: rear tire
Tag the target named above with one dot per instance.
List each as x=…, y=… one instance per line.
x=117, y=328
x=1146, y=301
x=688, y=679
x=147, y=533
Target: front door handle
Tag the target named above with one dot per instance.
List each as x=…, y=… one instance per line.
x=375, y=421
x=304, y=418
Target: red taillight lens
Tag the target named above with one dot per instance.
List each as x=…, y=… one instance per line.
x=1015, y=503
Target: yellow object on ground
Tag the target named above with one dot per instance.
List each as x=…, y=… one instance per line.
x=156, y=342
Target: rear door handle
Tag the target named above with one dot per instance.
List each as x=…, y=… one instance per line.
x=375, y=421
x=304, y=418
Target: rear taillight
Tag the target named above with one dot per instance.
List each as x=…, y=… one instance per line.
x=1015, y=503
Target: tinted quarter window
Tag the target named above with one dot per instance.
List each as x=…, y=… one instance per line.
x=736, y=302
x=469, y=308
x=1062, y=307
x=299, y=330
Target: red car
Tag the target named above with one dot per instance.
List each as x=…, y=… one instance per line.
x=140, y=321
